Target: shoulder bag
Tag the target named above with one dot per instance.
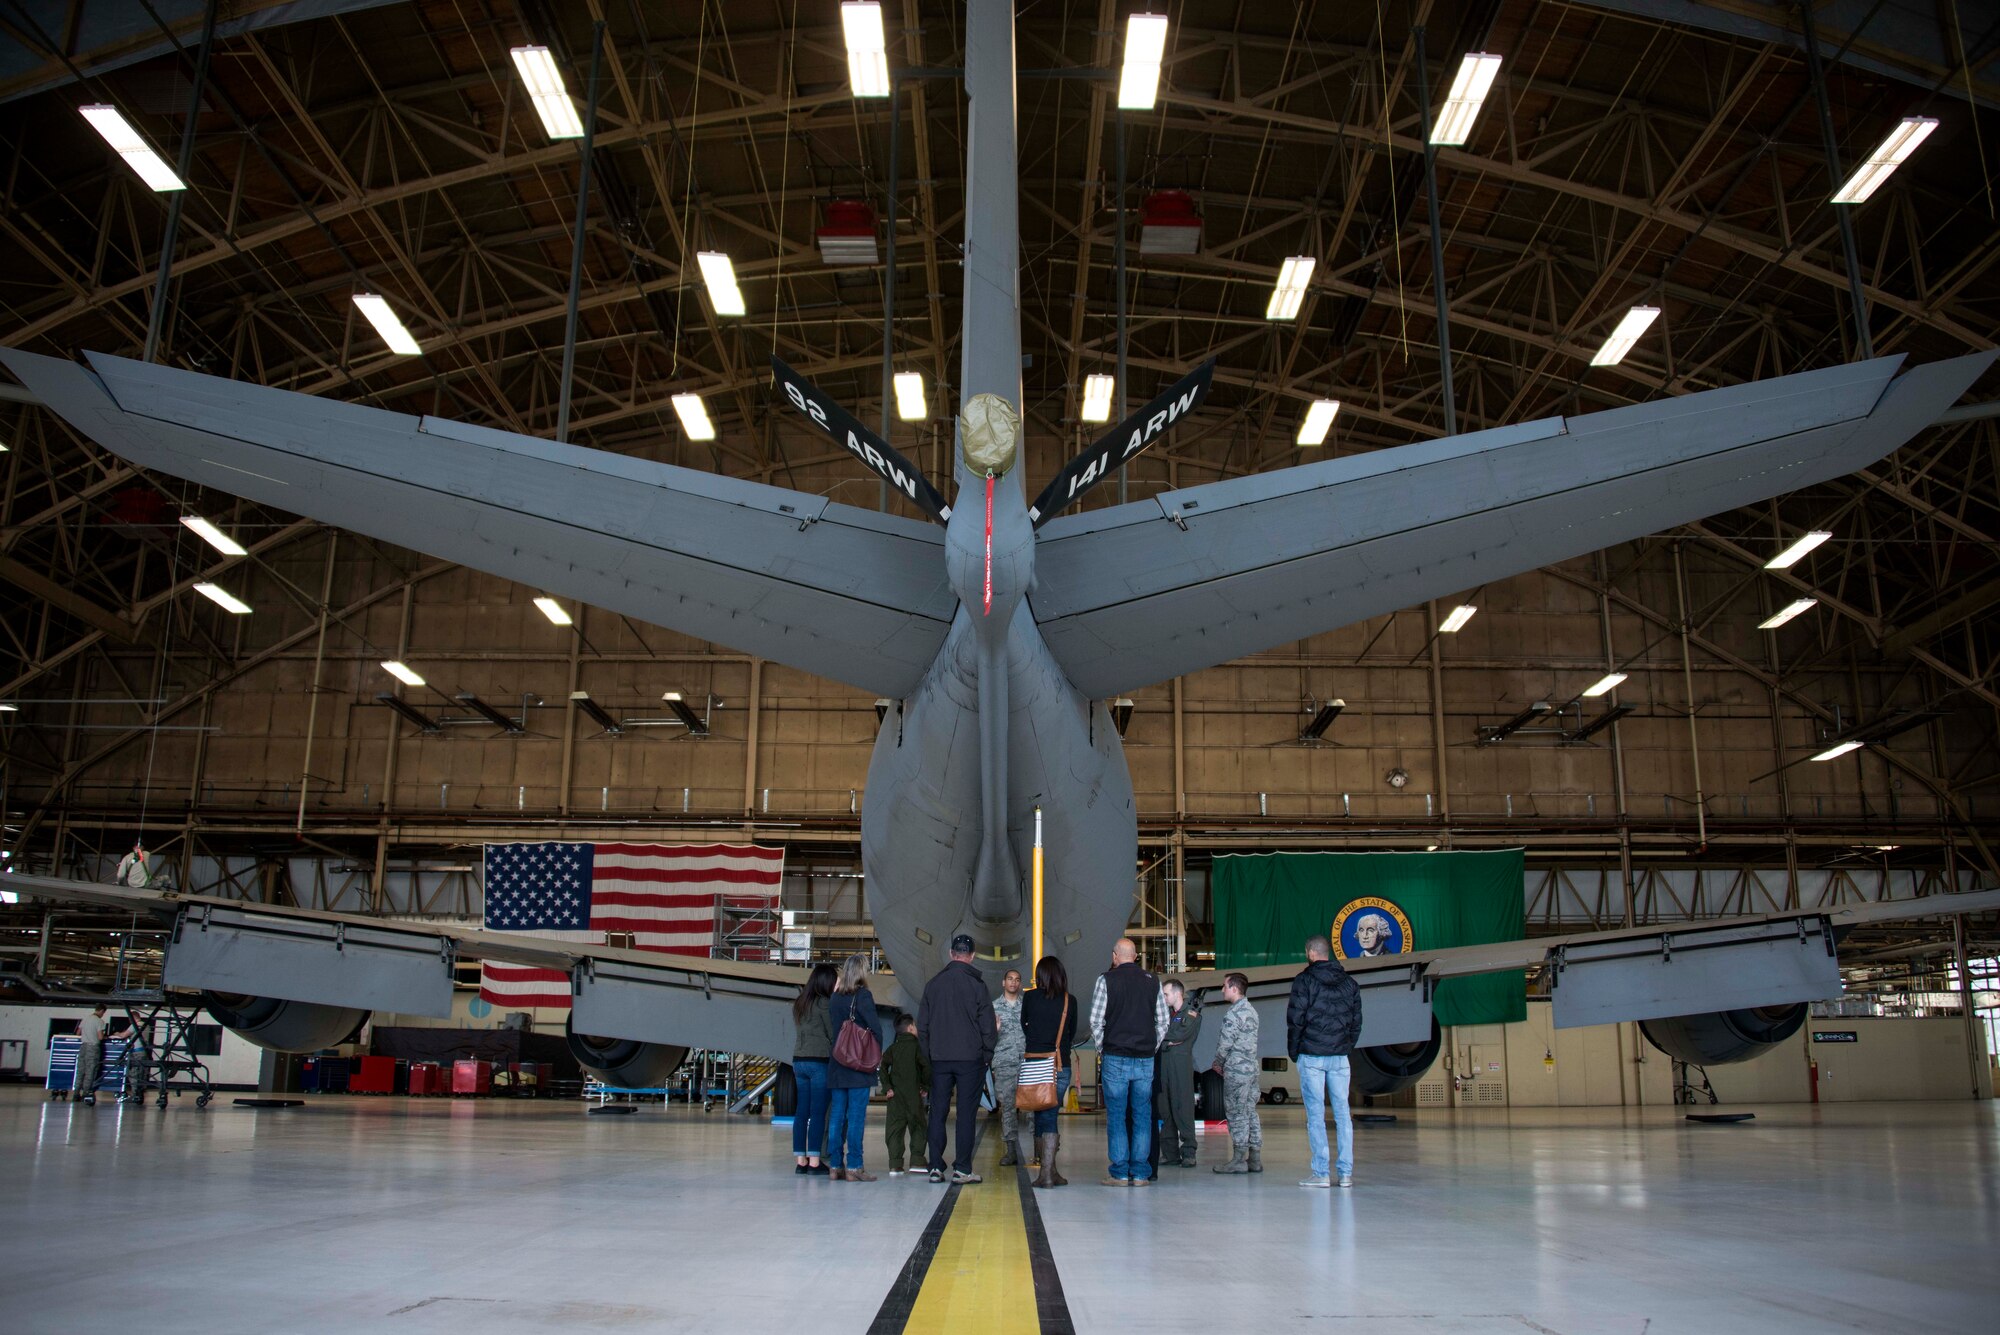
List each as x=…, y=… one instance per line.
x=857, y=1048
x=1039, y=1072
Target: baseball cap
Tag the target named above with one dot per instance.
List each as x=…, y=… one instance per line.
x=961, y=944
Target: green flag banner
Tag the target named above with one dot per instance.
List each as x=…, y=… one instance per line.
x=1267, y=904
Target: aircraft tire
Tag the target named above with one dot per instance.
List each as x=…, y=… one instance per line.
x=785, y=1093
x=1208, y=1096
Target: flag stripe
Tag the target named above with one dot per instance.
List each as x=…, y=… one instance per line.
x=671, y=899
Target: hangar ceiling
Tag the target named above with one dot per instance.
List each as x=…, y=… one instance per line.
x=1668, y=154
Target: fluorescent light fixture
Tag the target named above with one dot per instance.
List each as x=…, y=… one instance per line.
x=688, y=718
x=1902, y=142
x=387, y=324
x=1879, y=848
x=138, y=154
x=910, y=397
x=720, y=275
x=213, y=536
x=1318, y=421
x=223, y=598
x=694, y=417
x=1837, y=751
x=1604, y=684
x=1795, y=553
x=9, y=709
x=402, y=672
x=1145, y=47
x=1455, y=623
x=1468, y=93
x=1636, y=322
x=867, y=49
x=1430, y=848
x=1097, y=397
x=1778, y=619
x=553, y=610
x=548, y=92
x=1290, y=292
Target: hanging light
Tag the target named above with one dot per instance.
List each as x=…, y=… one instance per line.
x=1795, y=553
x=1778, y=619
x=387, y=324
x=223, y=598
x=1455, y=623
x=1838, y=750
x=1145, y=48
x=213, y=536
x=548, y=92
x=1468, y=93
x=1097, y=397
x=910, y=406
x=402, y=672
x=720, y=275
x=867, y=49
x=127, y=144
x=1318, y=421
x=1636, y=322
x=554, y=611
x=694, y=416
x=1902, y=142
x=1604, y=684
x=1290, y=291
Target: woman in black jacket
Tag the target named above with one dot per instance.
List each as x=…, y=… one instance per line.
x=847, y=1115
x=812, y=1050
x=1049, y=1020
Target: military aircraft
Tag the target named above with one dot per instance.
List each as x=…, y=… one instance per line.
x=999, y=630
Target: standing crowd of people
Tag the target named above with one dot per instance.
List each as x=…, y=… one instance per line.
x=1144, y=1031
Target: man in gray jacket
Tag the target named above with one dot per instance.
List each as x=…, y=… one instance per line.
x=955, y=1030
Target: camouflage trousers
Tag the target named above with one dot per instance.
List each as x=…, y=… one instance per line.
x=1006, y=1077
x=1239, y=1101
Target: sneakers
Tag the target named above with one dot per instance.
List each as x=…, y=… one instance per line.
x=937, y=1174
x=1314, y=1182
x=959, y=1179
x=1346, y=1179
x=818, y=1170
x=1115, y=1182
x=895, y=1172
x=1140, y=1182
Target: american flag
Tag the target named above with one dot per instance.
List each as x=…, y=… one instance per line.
x=669, y=897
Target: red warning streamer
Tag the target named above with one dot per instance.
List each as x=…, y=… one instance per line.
x=989, y=546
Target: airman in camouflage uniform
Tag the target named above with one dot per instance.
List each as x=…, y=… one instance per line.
x=1008, y=1050
x=1237, y=1060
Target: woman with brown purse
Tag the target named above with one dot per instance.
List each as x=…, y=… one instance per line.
x=857, y=1054
x=1048, y=1019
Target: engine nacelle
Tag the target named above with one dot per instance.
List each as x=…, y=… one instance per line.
x=1394, y=1066
x=284, y=1026
x=1720, y=1037
x=625, y=1063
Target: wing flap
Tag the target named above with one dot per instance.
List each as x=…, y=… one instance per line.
x=849, y=594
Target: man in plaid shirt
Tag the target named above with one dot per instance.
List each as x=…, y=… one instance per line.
x=1128, y=1022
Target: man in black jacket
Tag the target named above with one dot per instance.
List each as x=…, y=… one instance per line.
x=956, y=1031
x=1322, y=1023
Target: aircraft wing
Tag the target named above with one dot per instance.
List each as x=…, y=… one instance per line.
x=1626, y=973
x=850, y=594
x=1144, y=592
x=387, y=964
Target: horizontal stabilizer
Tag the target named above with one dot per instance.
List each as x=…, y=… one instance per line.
x=850, y=594
x=1145, y=592
x=1121, y=446
x=847, y=431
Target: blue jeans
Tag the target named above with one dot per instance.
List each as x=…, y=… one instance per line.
x=1322, y=1079
x=1045, y=1120
x=809, y=1118
x=1128, y=1101
x=847, y=1117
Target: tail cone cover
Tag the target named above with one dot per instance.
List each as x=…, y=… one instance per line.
x=989, y=434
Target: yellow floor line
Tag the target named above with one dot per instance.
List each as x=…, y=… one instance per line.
x=980, y=1281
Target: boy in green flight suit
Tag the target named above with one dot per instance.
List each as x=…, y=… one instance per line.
x=906, y=1074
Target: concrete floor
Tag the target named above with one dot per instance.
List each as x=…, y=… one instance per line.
x=429, y=1215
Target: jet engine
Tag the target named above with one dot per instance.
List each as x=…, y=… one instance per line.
x=625, y=1063
x=284, y=1026
x=1394, y=1066
x=1719, y=1037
